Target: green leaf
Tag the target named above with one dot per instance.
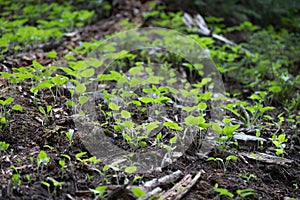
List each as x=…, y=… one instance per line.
x=37, y=65
x=143, y=143
x=51, y=54
x=3, y=146
x=173, y=140
x=130, y=169
x=245, y=192
x=146, y=100
x=79, y=155
x=83, y=99
x=231, y=158
x=135, y=70
x=71, y=103
x=87, y=73
x=8, y=101
x=48, y=108
x=135, y=82
x=17, y=107
x=202, y=106
x=275, y=89
x=217, y=128
x=224, y=192
x=80, y=88
x=125, y=114
x=44, y=84
x=153, y=80
x=113, y=106
x=228, y=130
x=42, y=158
x=138, y=192
x=42, y=110
x=191, y=121
x=173, y=125
x=151, y=126
x=101, y=190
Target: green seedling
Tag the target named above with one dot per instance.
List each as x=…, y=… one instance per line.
x=138, y=192
x=100, y=191
x=243, y=193
x=62, y=165
x=69, y=135
x=223, y=191
x=224, y=134
x=16, y=177
x=279, y=141
x=45, y=112
x=221, y=161
x=4, y=110
x=3, y=146
x=55, y=183
x=42, y=159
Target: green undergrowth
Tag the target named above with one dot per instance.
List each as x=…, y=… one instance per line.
x=147, y=115
x=27, y=22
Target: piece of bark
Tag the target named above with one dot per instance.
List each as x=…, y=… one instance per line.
x=163, y=180
x=266, y=158
x=178, y=191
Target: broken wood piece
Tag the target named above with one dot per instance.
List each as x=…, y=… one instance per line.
x=182, y=187
x=163, y=180
x=199, y=22
x=270, y=159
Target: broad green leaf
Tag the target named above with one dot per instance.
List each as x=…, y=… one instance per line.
x=173, y=140
x=191, y=121
x=87, y=73
x=37, y=65
x=17, y=107
x=125, y=114
x=101, y=190
x=135, y=82
x=217, y=128
x=138, y=192
x=228, y=130
x=51, y=54
x=151, y=126
x=83, y=99
x=146, y=99
x=202, y=106
x=135, y=70
x=173, y=125
x=113, y=106
x=130, y=169
x=80, y=88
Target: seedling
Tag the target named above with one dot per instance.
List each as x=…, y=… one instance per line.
x=224, y=134
x=16, y=177
x=45, y=112
x=3, y=146
x=69, y=135
x=279, y=141
x=223, y=191
x=100, y=191
x=42, y=159
x=56, y=184
x=223, y=164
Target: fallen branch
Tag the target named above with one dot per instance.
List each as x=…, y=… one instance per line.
x=163, y=180
x=178, y=191
x=200, y=23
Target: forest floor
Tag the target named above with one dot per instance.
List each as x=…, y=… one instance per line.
x=270, y=178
